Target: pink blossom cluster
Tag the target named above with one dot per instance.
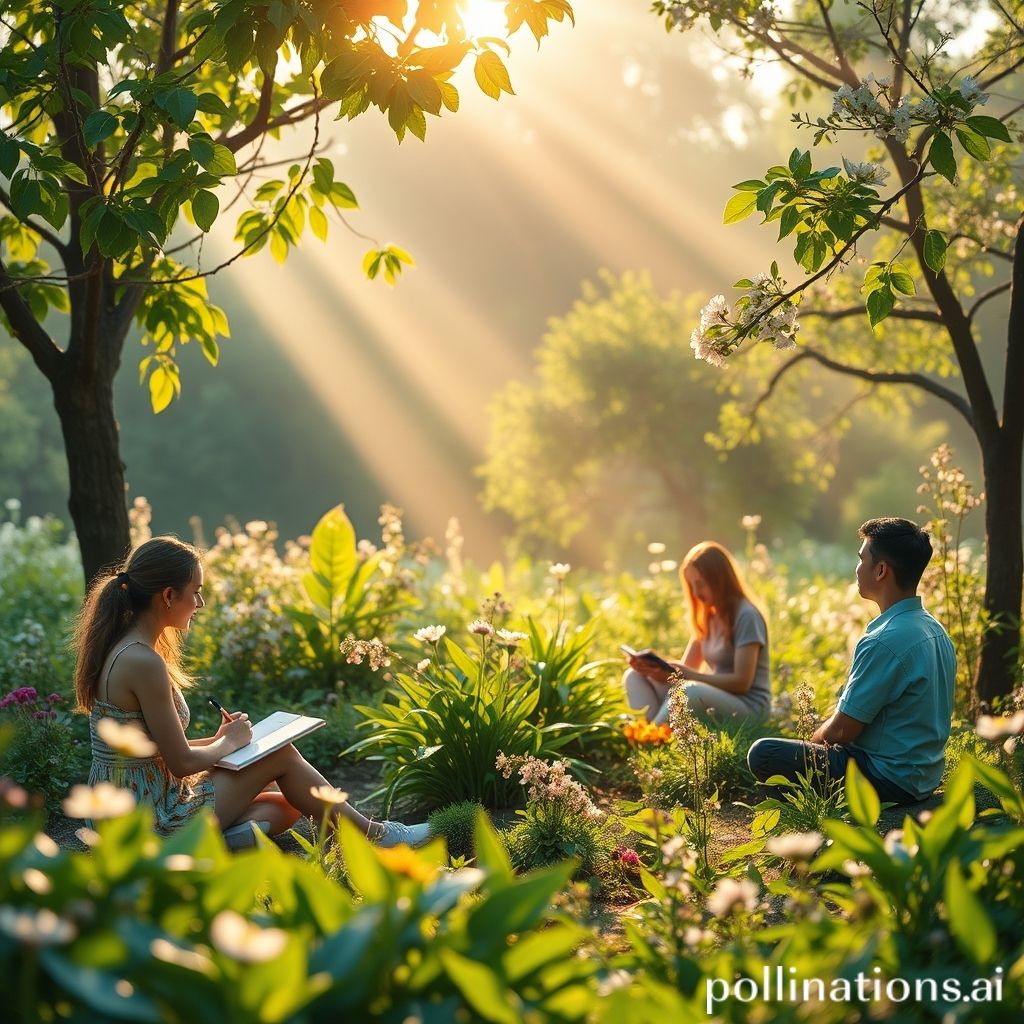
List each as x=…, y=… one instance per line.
x=26, y=697
x=626, y=857
x=548, y=783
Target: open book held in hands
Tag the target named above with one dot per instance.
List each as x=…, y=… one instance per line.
x=269, y=735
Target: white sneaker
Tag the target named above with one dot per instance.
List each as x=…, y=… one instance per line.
x=394, y=833
x=242, y=836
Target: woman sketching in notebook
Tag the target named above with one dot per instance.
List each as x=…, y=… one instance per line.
x=128, y=641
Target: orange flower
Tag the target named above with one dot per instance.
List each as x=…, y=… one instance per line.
x=401, y=860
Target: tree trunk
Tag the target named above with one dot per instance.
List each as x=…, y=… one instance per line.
x=1005, y=569
x=97, y=499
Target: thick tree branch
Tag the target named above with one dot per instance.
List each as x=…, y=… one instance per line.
x=168, y=38
x=983, y=417
x=927, y=316
x=24, y=326
x=947, y=395
x=260, y=122
x=992, y=293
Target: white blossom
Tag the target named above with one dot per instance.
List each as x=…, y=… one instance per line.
x=866, y=173
x=430, y=634
x=970, y=90
x=244, y=941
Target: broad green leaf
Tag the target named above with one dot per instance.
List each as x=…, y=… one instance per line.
x=903, y=282
x=990, y=127
x=365, y=869
x=180, y=104
x=318, y=223
x=491, y=854
x=492, y=75
x=332, y=552
x=481, y=987
x=205, y=207
x=974, y=143
x=861, y=796
x=940, y=156
x=161, y=389
x=753, y=185
x=968, y=920
x=880, y=304
x=739, y=207
x=99, y=125
x=935, y=250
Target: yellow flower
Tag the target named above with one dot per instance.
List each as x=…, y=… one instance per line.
x=402, y=860
x=104, y=800
x=127, y=739
x=244, y=941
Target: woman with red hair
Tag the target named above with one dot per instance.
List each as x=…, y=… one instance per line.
x=725, y=665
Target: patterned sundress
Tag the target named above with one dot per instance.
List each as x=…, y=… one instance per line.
x=174, y=800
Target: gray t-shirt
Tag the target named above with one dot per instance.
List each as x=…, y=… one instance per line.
x=719, y=652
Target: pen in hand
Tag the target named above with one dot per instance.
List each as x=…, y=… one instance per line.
x=220, y=707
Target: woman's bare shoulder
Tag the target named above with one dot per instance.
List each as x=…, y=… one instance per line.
x=136, y=669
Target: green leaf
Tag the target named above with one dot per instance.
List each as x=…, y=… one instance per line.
x=903, y=282
x=99, y=125
x=318, y=222
x=753, y=185
x=180, y=104
x=480, y=987
x=880, y=304
x=492, y=75
x=974, y=143
x=935, y=250
x=365, y=869
x=162, y=388
x=491, y=854
x=940, y=156
x=205, y=207
x=332, y=552
x=991, y=127
x=860, y=794
x=739, y=207
x=968, y=920
x=788, y=221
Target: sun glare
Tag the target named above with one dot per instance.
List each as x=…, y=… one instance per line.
x=483, y=18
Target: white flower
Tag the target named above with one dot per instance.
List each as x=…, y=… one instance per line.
x=750, y=522
x=511, y=637
x=244, y=941
x=926, y=109
x=970, y=90
x=866, y=173
x=795, y=846
x=104, y=800
x=423, y=665
x=430, y=634
x=12, y=505
x=705, y=351
x=125, y=738
x=655, y=548
x=481, y=627
x=714, y=314
x=732, y=894
x=40, y=927
x=169, y=953
x=559, y=570
x=668, y=565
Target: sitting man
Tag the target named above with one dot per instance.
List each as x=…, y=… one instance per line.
x=893, y=715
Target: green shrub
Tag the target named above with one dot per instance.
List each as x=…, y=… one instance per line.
x=181, y=931
x=40, y=753
x=442, y=724
x=543, y=838
x=456, y=823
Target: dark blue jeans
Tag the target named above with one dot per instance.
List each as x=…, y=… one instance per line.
x=771, y=756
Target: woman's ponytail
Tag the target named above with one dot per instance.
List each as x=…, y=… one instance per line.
x=116, y=598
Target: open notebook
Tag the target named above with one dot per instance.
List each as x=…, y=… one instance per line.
x=269, y=735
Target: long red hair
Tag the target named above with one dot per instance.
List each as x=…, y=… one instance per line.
x=723, y=578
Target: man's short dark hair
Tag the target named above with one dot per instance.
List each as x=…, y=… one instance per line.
x=903, y=545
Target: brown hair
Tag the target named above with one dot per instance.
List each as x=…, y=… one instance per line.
x=117, y=597
x=719, y=570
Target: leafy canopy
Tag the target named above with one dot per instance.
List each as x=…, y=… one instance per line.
x=128, y=125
